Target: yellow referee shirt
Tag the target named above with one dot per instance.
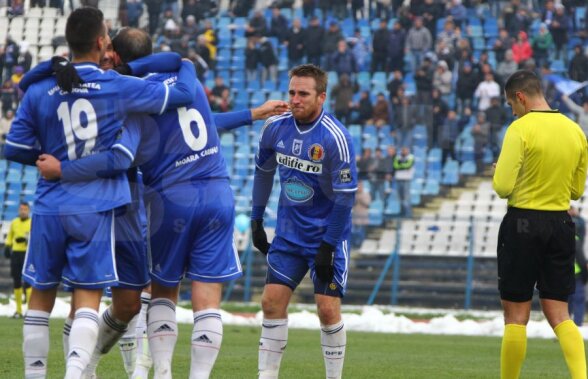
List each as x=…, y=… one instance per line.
x=542, y=164
x=19, y=229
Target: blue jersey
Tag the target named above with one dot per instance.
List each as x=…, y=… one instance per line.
x=85, y=122
x=314, y=164
x=180, y=145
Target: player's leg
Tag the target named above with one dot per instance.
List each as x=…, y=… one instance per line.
x=43, y=264
x=162, y=328
x=144, y=362
x=286, y=269
x=514, y=339
x=328, y=300
x=556, y=283
x=16, y=264
x=89, y=269
x=67, y=324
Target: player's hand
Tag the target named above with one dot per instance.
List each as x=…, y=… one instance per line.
x=268, y=109
x=324, y=262
x=65, y=73
x=259, y=237
x=7, y=252
x=49, y=167
x=20, y=240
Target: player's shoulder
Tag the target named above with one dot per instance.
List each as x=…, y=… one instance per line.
x=337, y=137
x=47, y=85
x=334, y=125
x=275, y=122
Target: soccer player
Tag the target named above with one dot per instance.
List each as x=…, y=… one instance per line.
x=15, y=248
x=72, y=227
x=541, y=167
x=211, y=254
x=314, y=156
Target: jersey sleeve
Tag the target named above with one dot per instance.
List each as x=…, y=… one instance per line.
x=130, y=137
x=41, y=71
x=22, y=133
x=509, y=162
x=265, y=159
x=342, y=161
x=159, y=62
x=143, y=95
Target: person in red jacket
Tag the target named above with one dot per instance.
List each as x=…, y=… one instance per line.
x=521, y=49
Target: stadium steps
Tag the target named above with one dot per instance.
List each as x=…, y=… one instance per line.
x=5, y=279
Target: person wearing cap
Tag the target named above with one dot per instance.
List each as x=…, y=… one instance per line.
x=576, y=301
x=542, y=166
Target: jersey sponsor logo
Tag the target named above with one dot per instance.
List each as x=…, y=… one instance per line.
x=316, y=152
x=296, y=190
x=203, y=338
x=299, y=164
x=345, y=175
x=297, y=147
x=194, y=157
x=281, y=144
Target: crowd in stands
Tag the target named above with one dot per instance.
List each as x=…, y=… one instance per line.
x=393, y=64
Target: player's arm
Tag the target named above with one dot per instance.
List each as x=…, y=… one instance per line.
x=21, y=141
x=509, y=162
x=263, y=181
x=232, y=120
x=159, y=62
x=39, y=72
x=579, y=179
x=8, y=242
x=106, y=164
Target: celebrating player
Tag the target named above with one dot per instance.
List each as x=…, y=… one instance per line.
x=315, y=158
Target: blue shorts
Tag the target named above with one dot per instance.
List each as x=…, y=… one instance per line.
x=191, y=233
x=130, y=249
x=288, y=263
x=75, y=249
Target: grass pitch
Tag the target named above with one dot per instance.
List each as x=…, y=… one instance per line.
x=369, y=355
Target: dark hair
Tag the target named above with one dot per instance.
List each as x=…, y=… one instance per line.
x=311, y=71
x=83, y=26
x=25, y=204
x=131, y=44
x=523, y=81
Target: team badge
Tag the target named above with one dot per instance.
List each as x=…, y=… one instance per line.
x=316, y=153
x=297, y=147
x=345, y=175
x=332, y=286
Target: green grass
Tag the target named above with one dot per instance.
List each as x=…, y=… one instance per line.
x=369, y=355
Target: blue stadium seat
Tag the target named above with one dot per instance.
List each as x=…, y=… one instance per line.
x=376, y=214
x=431, y=188
x=393, y=207
x=468, y=168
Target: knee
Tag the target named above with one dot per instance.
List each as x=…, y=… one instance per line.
x=272, y=308
x=127, y=310
x=328, y=314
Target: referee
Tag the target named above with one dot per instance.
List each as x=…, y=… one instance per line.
x=15, y=249
x=541, y=167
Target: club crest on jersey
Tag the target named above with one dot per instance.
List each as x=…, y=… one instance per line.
x=298, y=191
x=297, y=147
x=316, y=153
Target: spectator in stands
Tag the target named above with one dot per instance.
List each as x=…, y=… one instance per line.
x=278, y=25
x=480, y=132
x=502, y=44
x=365, y=164
x=223, y=103
x=497, y=117
x=257, y=26
x=439, y=112
x=581, y=112
x=360, y=215
x=199, y=64
x=423, y=78
x=430, y=11
x=182, y=45
x=268, y=60
x=542, y=44
x=331, y=40
x=381, y=113
x=7, y=95
x=295, y=39
x=383, y=10
x=405, y=118
x=190, y=8
x=359, y=49
x=396, y=47
x=548, y=12
x=507, y=67
x=559, y=31
x=485, y=91
x=362, y=109
x=442, y=80
x=240, y=8
x=448, y=135
x=15, y=79
x=190, y=28
x=467, y=81
x=578, y=69
x=9, y=57
x=308, y=7
x=521, y=49
x=403, y=174
x=5, y=122
x=218, y=88
x=134, y=12
x=251, y=61
x=35, y=3
x=389, y=166
x=448, y=35
x=380, y=44
x=314, y=41
x=339, y=8
x=16, y=8
x=357, y=7
x=378, y=180
x=168, y=24
x=210, y=36
x=153, y=10
x=394, y=84
x=25, y=59
x=577, y=301
x=418, y=42
x=342, y=98
x=343, y=61
x=202, y=48
x=457, y=11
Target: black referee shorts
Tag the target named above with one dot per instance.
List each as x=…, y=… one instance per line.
x=536, y=248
